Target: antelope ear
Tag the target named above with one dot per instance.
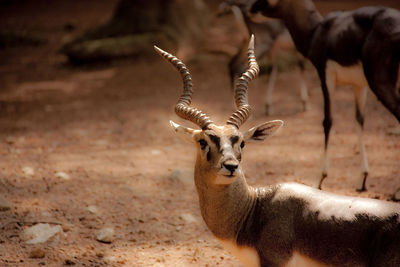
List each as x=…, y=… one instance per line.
x=263, y=131
x=184, y=132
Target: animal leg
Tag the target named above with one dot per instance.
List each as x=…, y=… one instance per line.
x=360, y=95
x=303, y=87
x=382, y=73
x=328, y=83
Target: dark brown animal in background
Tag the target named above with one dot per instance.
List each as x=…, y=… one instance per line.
x=360, y=48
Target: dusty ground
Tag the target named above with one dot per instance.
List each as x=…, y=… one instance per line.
x=107, y=128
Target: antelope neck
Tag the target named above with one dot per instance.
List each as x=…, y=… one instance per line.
x=224, y=208
x=302, y=19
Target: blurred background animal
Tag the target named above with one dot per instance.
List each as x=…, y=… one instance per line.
x=273, y=42
x=360, y=48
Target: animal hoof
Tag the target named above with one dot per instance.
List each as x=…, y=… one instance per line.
x=318, y=182
x=359, y=190
x=362, y=186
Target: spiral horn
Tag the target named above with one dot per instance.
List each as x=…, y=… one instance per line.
x=243, y=110
x=182, y=107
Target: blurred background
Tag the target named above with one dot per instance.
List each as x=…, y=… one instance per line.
x=85, y=145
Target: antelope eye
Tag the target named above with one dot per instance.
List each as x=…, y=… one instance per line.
x=242, y=144
x=203, y=144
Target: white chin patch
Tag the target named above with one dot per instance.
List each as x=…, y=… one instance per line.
x=226, y=177
x=222, y=179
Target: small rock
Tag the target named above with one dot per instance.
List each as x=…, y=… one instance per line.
x=105, y=235
x=4, y=204
x=62, y=176
x=37, y=253
x=155, y=152
x=111, y=258
x=40, y=233
x=184, y=176
x=170, y=242
x=67, y=227
x=92, y=209
x=28, y=171
x=188, y=218
x=69, y=262
x=197, y=254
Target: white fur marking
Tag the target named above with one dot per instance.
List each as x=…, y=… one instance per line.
x=342, y=208
x=248, y=256
x=299, y=260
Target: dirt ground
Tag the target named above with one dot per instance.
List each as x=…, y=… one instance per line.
x=91, y=147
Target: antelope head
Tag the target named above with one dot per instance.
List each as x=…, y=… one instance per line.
x=219, y=148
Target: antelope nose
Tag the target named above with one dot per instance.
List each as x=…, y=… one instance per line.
x=231, y=166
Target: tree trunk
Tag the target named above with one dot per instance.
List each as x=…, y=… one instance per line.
x=136, y=25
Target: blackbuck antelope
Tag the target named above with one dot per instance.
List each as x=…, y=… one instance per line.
x=286, y=224
x=272, y=39
x=360, y=48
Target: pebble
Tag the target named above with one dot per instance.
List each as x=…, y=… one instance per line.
x=69, y=262
x=28, y=171
x=105, y=235
x=188, y=218
x=67, y=227
x=40, y=233
x=37, y=253
x=62, y=176
x=92, y=209
x=155, y=152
